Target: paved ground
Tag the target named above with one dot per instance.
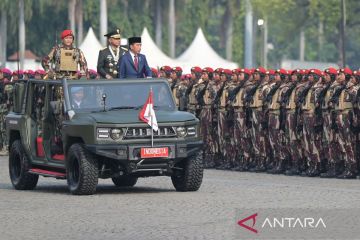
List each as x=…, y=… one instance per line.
x=153, y=210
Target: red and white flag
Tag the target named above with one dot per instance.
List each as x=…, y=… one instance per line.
x=147, y=113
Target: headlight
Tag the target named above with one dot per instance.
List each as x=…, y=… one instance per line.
x=116, y=133
x=191, y=131
x=103, y=132
x=181, y=131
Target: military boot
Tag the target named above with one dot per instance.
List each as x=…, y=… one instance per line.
x=314, y=171
x=331, y=172
x=261, y=166
x=279, y=167
x=349, y=173
x=209, y=161
x=294, y=170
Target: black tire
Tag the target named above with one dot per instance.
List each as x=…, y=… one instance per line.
x=191, y=175
x=81, y=171
x=124, y=181
x=19, y=166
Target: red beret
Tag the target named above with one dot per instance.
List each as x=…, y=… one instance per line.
x=155, y=71
x=226, y=71
x=331, y=71
x=31, y=72
x=40, y=72
x=347, y=71
x=296, y=71
x=6, y=71
x=66, y=33
x=316, y=71
x=356, y=73
x=236, y=71
x=218, y=70
x=246, y=71
x=177, y=69
x=18, y=72
x=281, y=71
x=165, y=68
x=260, y=70
x=270, y=72
x=188, y=76
x=208, y=70
x=196, y=69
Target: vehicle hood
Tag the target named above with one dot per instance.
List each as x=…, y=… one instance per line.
x=132, y=116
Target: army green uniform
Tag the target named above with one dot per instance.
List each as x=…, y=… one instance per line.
x=108, y=60
x=64, y=62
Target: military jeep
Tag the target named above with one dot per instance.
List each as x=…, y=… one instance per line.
x=82, y=130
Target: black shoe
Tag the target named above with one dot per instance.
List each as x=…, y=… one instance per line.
x=329, y=174
x=292, y=172
x=347, y=175
x=313, y=173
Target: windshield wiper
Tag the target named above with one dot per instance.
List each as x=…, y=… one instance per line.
x=124, y=107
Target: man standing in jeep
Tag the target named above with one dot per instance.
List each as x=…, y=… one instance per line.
x=66, y=59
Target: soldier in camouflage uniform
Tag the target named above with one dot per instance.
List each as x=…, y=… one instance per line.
x=342, y=102
x=206, y=96
x=312, y=129
x=175, y=76
x=242, y=125
x=276, y=134
x=193, y=106
x=295, y=148
x=16, y=75
x=181, y=93
x=225, y=133
x=64, y=60
x=329, y=134
x=5, y=75
x=39, y=74
x=255, y=102
x=165, y=72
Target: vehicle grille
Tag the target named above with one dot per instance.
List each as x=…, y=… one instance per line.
x=136, y=132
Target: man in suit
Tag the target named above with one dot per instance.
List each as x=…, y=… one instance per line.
x=77, y=100
x=133, y=64
x=109, y=57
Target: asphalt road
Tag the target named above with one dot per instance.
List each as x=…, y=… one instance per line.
x=154, y=210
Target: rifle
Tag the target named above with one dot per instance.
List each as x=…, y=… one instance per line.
x=235, y=91
x=301, y=97
x=335, y=100
x=219, y=93
x=250, y=93
x=286, y=95
x=272, y=92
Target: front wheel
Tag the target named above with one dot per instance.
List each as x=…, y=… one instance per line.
x=19, y=166
x=189, y=178
x=81, y=171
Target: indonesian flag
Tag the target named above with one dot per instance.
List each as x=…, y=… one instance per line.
x=147, y=113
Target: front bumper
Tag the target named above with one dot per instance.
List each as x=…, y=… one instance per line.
x=131, y=152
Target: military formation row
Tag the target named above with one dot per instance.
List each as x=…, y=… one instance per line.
x=300, y=122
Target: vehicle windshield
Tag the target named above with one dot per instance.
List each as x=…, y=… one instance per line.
x=89, y=97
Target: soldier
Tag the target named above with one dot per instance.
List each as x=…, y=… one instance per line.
x=93, y=74
x=5, y=75
x=181, y=93
x=63, y=60
x=312, y=129
x=329, y=135
x=255, y=101
x=342, y=102
x=294, y=146
x=242, y=127
x=39, y=74
x=206, y=96
x=225, y=116
x=109, y=56
x=175, y=76
x=276, y=134
x=165, y=72
x=195, y=82
x=155, y=73
x=16, y=75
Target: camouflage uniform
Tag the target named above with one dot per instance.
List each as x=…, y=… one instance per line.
x=206, y=96
x=345, y=138
x=181, y=95
x=312, y=129
x=193, y=106
x=62, y=62
x=3, y=112
x=242, y=127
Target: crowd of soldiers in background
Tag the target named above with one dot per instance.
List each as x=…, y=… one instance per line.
x=300, y=122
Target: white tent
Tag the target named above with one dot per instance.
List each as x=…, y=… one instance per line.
x=91, y=47
x=155, y=57
x=201, y=54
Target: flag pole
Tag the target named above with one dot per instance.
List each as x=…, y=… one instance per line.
x=151, y=119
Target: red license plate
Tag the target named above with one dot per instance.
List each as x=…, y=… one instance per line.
x=154, y=152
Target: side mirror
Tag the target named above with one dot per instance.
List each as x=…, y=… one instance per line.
x=18, y=96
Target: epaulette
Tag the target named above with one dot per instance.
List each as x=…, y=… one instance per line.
x=125, y=49
x=104, y=48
